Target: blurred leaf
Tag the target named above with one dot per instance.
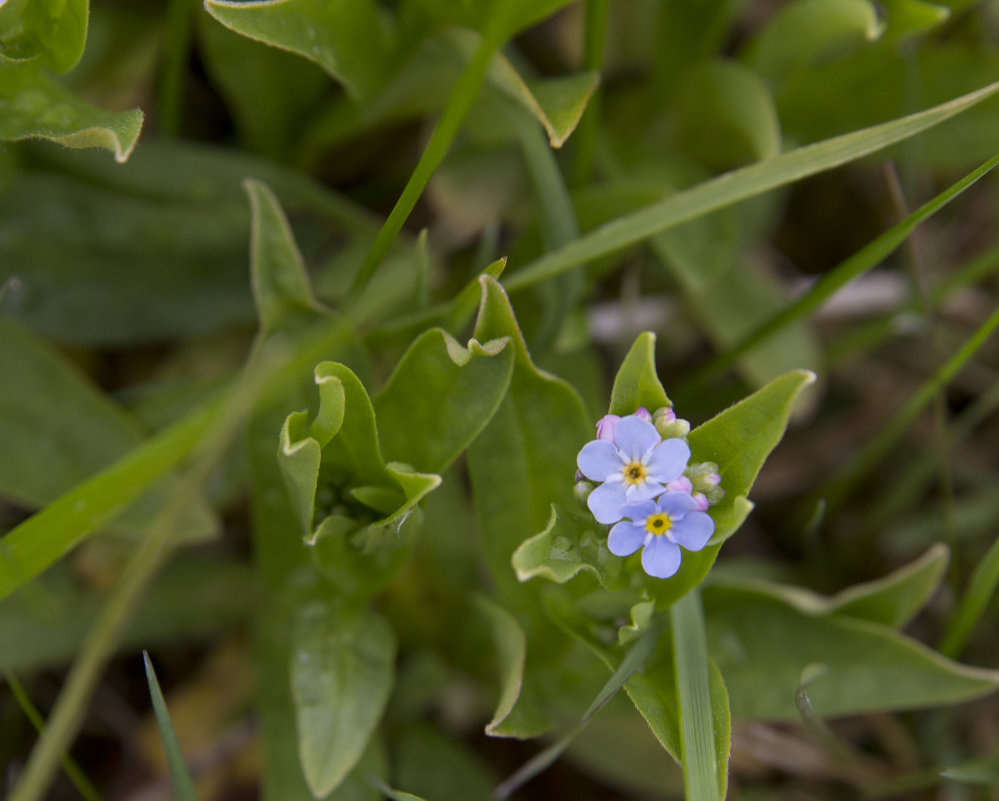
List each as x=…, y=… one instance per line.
x=270, y=94
x=892, y=600
x=984, y=772
x=809, y=31
x=446, y=392
x=524, y=459
x=182, y=784
x=761, y=645
x=192, y=598
x=726, y=115
x=345, y=37
x=57, y=428
x=281, y=288
x=44, y=109
x=53, y=32
x=510, y=718
x=438, y=767
x=907, y=18
x=341, y=674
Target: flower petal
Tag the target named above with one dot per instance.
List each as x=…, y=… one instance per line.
x=606, y=502
x=668, y=460
x=661, y=558
x=644, y=491
x=676, y=504
x=598, y=460
x=625, y=538
x=634, y=437
x=693, y=531
x=640, y=510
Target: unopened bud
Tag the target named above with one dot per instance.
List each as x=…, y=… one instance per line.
x=582, y=490
x=606, y=426
x=682, y=484
x=702, y=501
x=669, y=425
x=643, y=414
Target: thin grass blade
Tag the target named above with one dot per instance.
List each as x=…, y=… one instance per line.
x=182, y=783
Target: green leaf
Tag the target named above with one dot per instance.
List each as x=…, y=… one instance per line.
x=56, y=427
x=345, y=37
x=438, y=767
x=807, y=31
x=637, y=382
x=892, y=600
x=983, y=772
x=730, y=188
x=445, y=392
x=281, y=288
x=726, y=115
x=44, y=109
x=182, y=783
x=762, y=644
x=510, y=718
x=54, y=33
x=907, y=18
x=524, y=459
x=342, y=668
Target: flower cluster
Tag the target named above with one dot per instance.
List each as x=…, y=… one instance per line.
x=637, y=475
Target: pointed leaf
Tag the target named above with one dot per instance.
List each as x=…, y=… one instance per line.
x=44, y=109
x=761, y=645
x=515, y=716
x=637, y=382
x=345, y=37
x=342, y=668
x=444, y=391
x=281, y=287
x=182, y=783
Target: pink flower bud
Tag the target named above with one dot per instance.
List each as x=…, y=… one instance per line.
x=702, y=501
x=606, y=426
x=643, y=414
x=682, y=484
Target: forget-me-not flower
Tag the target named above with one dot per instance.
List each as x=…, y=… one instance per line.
x=661, y=526
x=634, y=466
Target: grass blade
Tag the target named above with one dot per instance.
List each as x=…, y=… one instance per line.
x=856, y=265
x=732, y=187
x=693, y=697
x=182, y=783
x=457, y=107
x=981, y=589
x=69, y=766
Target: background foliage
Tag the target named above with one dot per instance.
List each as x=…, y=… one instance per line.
x=292, y=387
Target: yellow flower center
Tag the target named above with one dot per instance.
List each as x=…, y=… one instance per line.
x=634, y=473
x=658, y=524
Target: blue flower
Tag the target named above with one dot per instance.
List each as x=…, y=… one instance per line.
x=661, y=527
x=634, y=467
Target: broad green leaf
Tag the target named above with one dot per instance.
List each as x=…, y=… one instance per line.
x=510, y=719
x=726, y=115
x=345, y=37
x=269, y=93
x=892, y=600
x=281, y=288
x=761, y=645
x=44, y=109
x=446, y=393
x=58, y=30
x=524, y=460
x=182, y=783
x=806, y=31
x=907, y=18
x=730, y=188
x=342, y=666
x=637, y=383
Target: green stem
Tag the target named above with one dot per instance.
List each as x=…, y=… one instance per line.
x=458, y=104
x=693, y=697
x=976, y=599
x=69, y=766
